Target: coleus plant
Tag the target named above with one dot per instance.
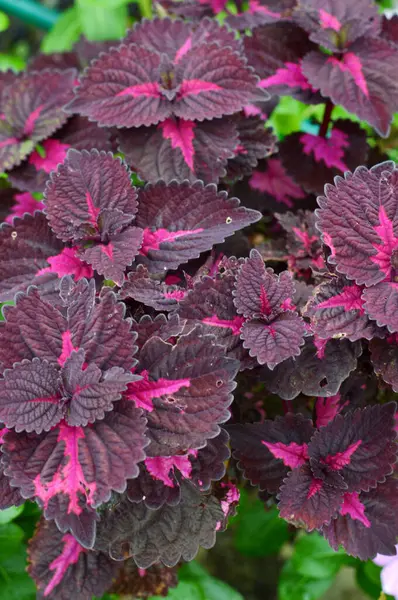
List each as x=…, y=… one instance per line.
x=138, y=325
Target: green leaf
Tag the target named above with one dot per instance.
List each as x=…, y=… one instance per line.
x=185, y=590
x=11, y=537
x=258, y=531
x=9, y=514
x=11, y=61
x=4, y=21
x=368, y=578
x=294, y=586
x=64, y=34
x=314, y=558
x=103, y=21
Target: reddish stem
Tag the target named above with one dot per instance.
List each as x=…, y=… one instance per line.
x=323, y=129
x=287, y=406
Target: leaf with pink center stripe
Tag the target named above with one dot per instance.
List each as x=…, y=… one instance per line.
x=60, y=566
x=181, y=220
x=24, y=203
x=143, y=288
x=324, y=158
x=367, y=523
x=275, y=51
x=25, y=247
x=187, y=390
x=307, y=501
x=32, y=110
x=178, y=149
x=75, y=469
x=68, y=263
x=336, y=24
x=267, y=451
x=359, y=446
x=277, y=183
x=362, y=80
x=337, y=309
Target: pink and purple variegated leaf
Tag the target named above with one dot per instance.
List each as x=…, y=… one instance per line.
x=185, y=391
x=25, y=247
x=62, y=568
x=166, y=328
x=276, y=51
x=367, y=523
x=307, y=501
x=267, y=451
x=303, y=240
x=315, y=372
x=179, y=149
x=259, y=291
x=322, y=158
x=72, y=470
x=32, y=110
x=359, y=446
x=255, y=142
x=181, y=220
x=357, y=219
x=167, y=535
x=153, y=491
x=384, y=355
x=337, y=310
x=362, y=80
x=336, y=24
x=23, y=203
x=78, y=133
x=132, y=86
x=150, y=291
x=274, y=181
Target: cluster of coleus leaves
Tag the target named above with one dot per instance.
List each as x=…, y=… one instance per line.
x=137, y=327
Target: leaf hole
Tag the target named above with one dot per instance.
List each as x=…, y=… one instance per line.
x=323, y=382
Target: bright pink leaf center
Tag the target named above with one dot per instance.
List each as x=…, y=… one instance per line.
x=320, y=346
x=3, y=431
x=326, y=409
x=144, y=390
x=187, y=45
x=232, y=497
x=147, y=90
x=329, y=150
x=181, y=135
x=349, y=299
x=276, y=182
x=353, y=507
x=192, y=87
x=160, y=466
x=385, y=250
x=352, y=64
x=31, y=120
x=55, y=154
x=293, y=455
x=256, y=7
x=67, y=348
x=68, y=263
x=328, y=21
x=290, y=75
x=24, y=203
x=153, y=239
x=9, y=142
x=304, y=238
x=176, y=295
x=342, y=459
x=69, y=556
x=315, y=487
x=234, y=324
x=93, y=210
x=69, y=478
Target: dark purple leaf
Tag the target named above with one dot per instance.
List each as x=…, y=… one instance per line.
x=150, y=291
x=181, y=220
x=267, y=451
x=167, y=535
x=143, y=583
x=362, y=81
x=384, y=354
x=178, y=149
x=62, y=568
x=276, y=183
x=165, y=328
x=314, y=372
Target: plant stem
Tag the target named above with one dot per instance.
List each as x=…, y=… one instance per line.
x=145, y=8
x=31, y=12
x=329, y=106
x=287, y=407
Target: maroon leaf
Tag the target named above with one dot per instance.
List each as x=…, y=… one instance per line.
x=178, y=149
x=9, y=496
x=32, y=110
x=267, y=451
x=151, y=292
x=182, y=220
x=359, y=446
x=167, y=535
x=275, y=182
x=362, y=80
x=384, y=354
x=303, y=241
x=153, y=491
x=185, y=390
x=314, y=372
x=324, y=158
x=62, y=568
x=25, y=247
x=165, y=328
x=72, y=470
x=143, y=583
x=367, y=523
x=307, y=501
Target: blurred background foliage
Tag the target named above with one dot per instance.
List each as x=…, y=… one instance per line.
x=259, y=557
